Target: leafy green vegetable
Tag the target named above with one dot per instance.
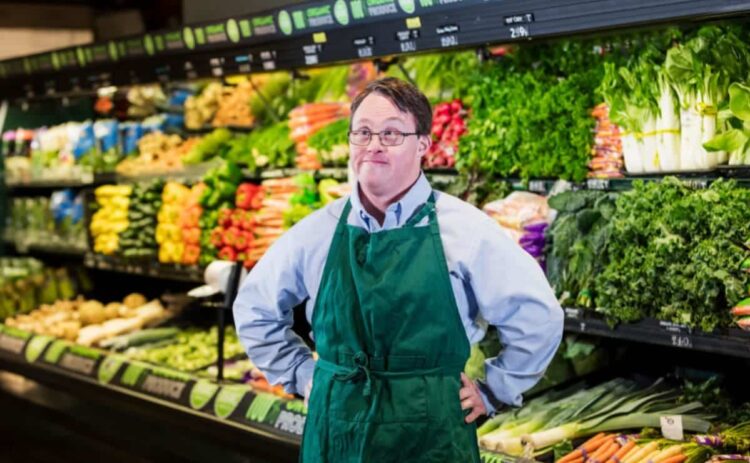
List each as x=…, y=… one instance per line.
x=674, y=253
x=577, y=242
x=519, y=127
x=332, y=143
x=212, y=145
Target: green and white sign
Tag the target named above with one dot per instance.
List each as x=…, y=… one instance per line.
x=188, y=37
x=109, y=368
x=35, y=347
x=202, y=393
x=341, y=12
x=148, y=44
x=55, y=351
x=407, y=5
x=285, y=22
x=233, y=31
x=228, y=400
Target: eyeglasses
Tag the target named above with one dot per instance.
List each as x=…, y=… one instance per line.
x=363, y=137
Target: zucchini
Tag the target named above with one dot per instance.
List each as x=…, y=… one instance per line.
x=140, y=338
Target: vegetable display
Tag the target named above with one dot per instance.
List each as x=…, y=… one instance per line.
x=560, y=416
x=168, y=233
x=331, y=143
x=189, y=350
x=307, y=119
x=448, y=125
x=676, y=254
x=111, y=217
x=577, y=242
x=138, y=241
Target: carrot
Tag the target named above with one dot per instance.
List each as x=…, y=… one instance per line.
x=667, y=453
x=624, y=450
x=609, y=452
x=741, y=310
x=603, y=448
x=588, y=447
x=633, y=450
x=676, y=459
x=649, y=458
x=645, y=450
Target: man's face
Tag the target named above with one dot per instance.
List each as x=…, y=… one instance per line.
x=380, y=169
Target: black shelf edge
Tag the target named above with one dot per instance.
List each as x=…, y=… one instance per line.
x=729, y=342
x=47, y=249
x=249, y=437
x=318, y=33
x=152, y=269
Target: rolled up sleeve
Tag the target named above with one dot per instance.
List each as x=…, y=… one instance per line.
x=263, y=314
x=512, y=294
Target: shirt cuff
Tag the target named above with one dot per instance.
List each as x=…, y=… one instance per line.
x=303, y=376
x=491, y=404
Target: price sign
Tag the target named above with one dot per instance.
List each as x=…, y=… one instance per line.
x=597, y=184
x=448, y=35
x=364, y=46
x=519, y=32
x=682, y=340
x=671, y=427
x=537, y=186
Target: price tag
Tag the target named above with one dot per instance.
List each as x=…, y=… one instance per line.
x=364, y=46
x=682, y=340
x=537, y=186
x=519, y=32
x=671, y=427
x=698, y=184
x=597, y=184
x=519, y=19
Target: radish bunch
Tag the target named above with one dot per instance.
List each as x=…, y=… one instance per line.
x=448, y=125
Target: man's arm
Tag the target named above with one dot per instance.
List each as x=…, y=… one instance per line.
x=512, y=294
x=263, y=317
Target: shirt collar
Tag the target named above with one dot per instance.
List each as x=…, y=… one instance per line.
x=396, y=213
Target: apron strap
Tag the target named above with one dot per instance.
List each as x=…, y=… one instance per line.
x=344, y=219
x=427, y=209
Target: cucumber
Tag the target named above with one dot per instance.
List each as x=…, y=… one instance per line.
x=140, y=338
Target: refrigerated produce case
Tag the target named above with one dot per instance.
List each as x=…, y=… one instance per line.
x=303, y=63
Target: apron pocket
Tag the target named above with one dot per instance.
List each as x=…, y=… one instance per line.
x=393, y=400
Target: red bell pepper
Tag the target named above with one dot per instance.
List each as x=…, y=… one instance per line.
x=238, y=217
x=231, y=235
x=246, y=192
x=242, y=241
x=227, y=253
x=217, y=237
x=191, y=254
x=225, y=217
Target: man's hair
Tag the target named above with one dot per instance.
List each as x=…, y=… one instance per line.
x=405, y=96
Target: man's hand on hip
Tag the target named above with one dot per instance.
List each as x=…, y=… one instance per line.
x=471, y=399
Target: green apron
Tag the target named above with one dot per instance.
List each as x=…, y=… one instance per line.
x=392, y=347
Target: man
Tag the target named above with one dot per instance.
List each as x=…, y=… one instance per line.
x=399, y=280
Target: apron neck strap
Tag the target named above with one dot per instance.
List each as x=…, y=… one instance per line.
x=427, y=209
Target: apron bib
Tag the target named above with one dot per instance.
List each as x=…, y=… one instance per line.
x=392, y=347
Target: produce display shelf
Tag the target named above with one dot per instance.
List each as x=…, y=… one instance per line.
x=263, y=421
x=47, y=249
x=441, y=178
x=271, y=424
x=191, y=274
x=331, y=31
x=732, y=342
x=47, y=184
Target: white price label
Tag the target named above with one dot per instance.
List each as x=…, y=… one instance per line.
x=671, y=427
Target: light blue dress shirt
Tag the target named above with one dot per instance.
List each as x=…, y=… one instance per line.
x=494, y=281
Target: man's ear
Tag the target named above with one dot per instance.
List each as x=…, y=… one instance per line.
x=425, y=141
